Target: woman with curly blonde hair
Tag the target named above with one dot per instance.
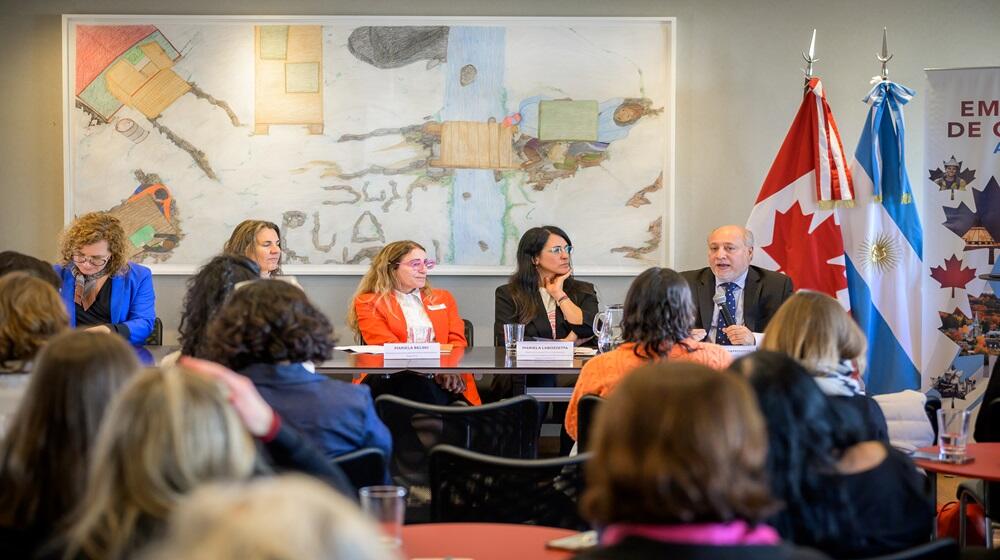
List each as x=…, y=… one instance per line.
x=102, y=290
x=395, y=303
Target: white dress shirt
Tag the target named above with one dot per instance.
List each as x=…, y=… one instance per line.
x=413, y=310
x=738, y=294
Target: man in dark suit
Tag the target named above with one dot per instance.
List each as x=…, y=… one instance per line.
x=751, y=294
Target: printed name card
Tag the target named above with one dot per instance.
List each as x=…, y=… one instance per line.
x=412, y=351
x=547, y=350
x=738, y=351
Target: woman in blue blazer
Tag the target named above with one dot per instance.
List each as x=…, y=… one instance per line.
x=102, y=290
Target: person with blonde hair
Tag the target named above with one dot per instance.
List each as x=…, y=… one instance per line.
x=44, y=455
x=394, y=302
x=813, y=328
x=30, y=314
x=284, y=518
x=260, y=241
x=679, y=469
x=168, y=431
x=101, y=289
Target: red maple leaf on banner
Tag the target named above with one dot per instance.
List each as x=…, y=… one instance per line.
x=953, y=275
x=804, y=255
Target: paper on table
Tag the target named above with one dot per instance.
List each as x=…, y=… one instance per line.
x=361, y=349
x=584, y=351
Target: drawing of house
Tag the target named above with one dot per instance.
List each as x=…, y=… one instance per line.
x=288, y=76
x=130, y=65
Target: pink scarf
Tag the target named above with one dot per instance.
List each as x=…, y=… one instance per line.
x=712, y=534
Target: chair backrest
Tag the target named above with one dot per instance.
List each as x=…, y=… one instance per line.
x=363, y=467
x=470, y=332
x=155, y=338
x=941, y=549
x=585, y=410
x=508, y=428
x=472, y=487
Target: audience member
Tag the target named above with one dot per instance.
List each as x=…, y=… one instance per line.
x=285, y=518
x=679, y=470
x=395, y=302
x=813, y=328
x=44, y=456
x=751, y=294
x=657, y=318
x=270, y=332
x=102, y=290
x=206, y=292
x=30, y=313
x=260, y=241
x=12, y=261
x=849, y=497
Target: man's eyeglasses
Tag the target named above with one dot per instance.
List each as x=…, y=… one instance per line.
x=417, y=263
x=557, y=250
x=94, y=261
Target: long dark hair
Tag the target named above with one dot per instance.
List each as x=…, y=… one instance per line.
x=524, y=282
x=658, y=312
x=43, y=458
x=207, y=291
x=806, y=438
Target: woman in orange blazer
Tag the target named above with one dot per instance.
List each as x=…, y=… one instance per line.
x=394, y=297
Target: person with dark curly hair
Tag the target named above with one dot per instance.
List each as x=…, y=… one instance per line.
x=679, y=470
x=102, y=290
x=270, y=332
x=206, y=292
x=845, y=494
x=656, y=325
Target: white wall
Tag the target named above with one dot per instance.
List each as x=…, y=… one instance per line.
x=738, y=78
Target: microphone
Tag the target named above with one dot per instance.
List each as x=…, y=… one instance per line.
x=727, y=318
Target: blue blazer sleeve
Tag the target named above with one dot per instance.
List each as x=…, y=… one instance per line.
x=133, y=302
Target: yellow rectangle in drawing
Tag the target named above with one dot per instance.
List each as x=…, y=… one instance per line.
x=476, y=145
x=159, y=92
x=288, y=90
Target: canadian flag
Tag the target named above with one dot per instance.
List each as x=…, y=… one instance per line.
x=794, y=221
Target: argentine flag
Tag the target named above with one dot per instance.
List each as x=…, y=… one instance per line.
x=883, y=246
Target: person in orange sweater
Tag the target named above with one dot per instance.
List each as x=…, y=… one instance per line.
x=395, y=303
x=657, y=322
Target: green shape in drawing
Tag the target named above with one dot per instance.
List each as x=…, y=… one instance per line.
x=273, y=42
x=142, y=236
x=565, y=119
x=134, y=55
x=302, y=77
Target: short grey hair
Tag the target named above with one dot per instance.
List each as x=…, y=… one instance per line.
x=747, y=234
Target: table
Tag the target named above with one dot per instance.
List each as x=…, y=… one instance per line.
x=475, y=360
x=482, y=541
x=985, y=466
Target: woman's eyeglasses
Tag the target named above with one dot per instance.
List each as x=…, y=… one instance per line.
x=557, y=250
x=94, y=261
x=418, y=263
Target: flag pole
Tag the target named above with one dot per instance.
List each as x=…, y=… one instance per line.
x=884, y=57
x=810, y=59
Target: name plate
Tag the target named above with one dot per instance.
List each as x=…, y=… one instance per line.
x=548, y=351
x=739, y=351
x=412, y=351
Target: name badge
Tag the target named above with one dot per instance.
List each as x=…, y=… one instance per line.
x=547, y=350
x=738, y=351
x=437, y=307
x=412, y=351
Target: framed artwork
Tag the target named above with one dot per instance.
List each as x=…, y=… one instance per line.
x=351, y=132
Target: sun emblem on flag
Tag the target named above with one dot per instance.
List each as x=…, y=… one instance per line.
x=879, y=252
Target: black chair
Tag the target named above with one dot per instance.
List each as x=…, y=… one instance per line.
x=363, y=467
x=470, y=332
x=155, y=338
x=472, y=487
x=585, y=410
x=508, y=428
x=941, y=549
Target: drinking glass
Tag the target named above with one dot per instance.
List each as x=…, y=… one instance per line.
x=387, y=506
x=512, y=334
x=953, y=433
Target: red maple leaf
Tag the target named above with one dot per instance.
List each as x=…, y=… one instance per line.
x=804, y=255
x=953, y=275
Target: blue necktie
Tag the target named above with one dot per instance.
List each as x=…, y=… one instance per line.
x=720, y=337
